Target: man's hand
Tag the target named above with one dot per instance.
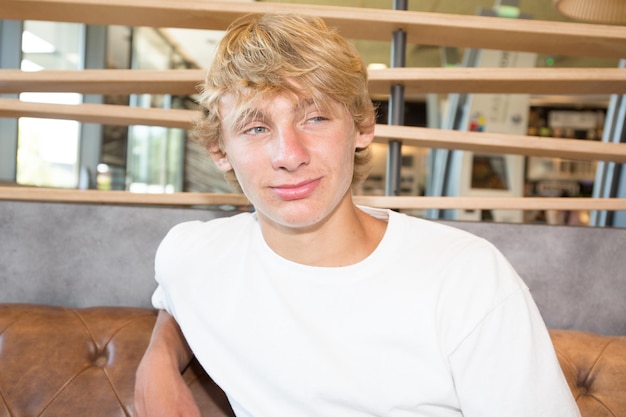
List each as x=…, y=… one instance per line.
x=160, y=390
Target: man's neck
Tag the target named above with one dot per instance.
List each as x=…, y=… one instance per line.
x=344, y=238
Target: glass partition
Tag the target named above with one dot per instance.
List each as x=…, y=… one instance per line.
x=47, y=152
x=155, y=154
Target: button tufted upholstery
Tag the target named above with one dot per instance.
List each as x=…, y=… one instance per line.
x=595, y=368
x=60, y=362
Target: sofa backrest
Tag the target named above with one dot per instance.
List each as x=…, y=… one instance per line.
x=83, y=255
x=577, y=275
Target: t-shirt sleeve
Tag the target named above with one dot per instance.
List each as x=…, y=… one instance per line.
x=158, y=299
x=167, y=262
x=505, y=364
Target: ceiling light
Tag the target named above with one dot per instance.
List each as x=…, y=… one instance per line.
x=594, y=11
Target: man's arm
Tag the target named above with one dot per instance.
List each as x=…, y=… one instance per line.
x=507, y=366
x=160, y=390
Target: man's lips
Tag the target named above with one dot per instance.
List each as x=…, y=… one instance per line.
x=296, y=191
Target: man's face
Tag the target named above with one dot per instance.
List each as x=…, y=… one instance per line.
x=293, y=160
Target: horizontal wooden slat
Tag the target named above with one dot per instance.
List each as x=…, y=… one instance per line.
x=504, y=143
x=493, y=203
x=114, y=81
x=210, y=199
x=561, y=38
x=416, y=80
x=119, y=197
x=99, y=113
x=414, y=136
x=564, y=81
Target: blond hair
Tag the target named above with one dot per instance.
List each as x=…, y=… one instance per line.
x=261, y=56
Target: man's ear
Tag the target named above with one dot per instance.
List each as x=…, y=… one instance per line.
x=365, y=137
x=219, y=158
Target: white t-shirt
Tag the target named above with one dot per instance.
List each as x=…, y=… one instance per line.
x=435, y=322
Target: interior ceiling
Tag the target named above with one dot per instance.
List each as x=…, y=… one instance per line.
x=198, y=46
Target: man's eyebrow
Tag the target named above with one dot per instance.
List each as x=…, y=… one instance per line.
x=249, y=115
x=303, y=105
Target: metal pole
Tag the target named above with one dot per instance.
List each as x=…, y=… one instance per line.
x=10, y=57
x=396, y=107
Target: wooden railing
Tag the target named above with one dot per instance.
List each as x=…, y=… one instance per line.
x=415, y=81
x=573, y=39
x=238, y=200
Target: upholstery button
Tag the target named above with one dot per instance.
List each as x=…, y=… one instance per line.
x=583, y=387
x=101, y=361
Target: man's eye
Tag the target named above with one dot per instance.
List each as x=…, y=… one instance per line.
x=318, y=119
x=255, y=130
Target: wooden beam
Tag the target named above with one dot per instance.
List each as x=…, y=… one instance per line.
x=113, y=81
x=415, y=136
x=238, y=200
x=100, y=113
x=564, y=81
x=416, y=81
x=120, y=197
x=561, y=38
x=492, y=203
x=576, y=149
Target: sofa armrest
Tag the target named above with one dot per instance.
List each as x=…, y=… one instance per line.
x=595, y=369
x=81, y=362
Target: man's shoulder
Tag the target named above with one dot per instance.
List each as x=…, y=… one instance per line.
x=432, y=231
x=212, y=226
x=213, y=232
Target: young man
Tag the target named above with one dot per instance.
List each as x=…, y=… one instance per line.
x=312, y=306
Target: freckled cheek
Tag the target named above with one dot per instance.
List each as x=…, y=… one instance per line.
x=251, y=169
x=349, y=159
x=343, y=169
x=247, y=170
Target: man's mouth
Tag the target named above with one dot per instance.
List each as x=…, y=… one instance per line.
x=296, y=191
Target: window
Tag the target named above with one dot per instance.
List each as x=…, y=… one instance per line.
x=155, y=157
x=48, y=149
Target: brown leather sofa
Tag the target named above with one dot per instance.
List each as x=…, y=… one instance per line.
x=62, y=362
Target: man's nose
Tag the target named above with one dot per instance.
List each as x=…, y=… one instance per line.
x=290, y=149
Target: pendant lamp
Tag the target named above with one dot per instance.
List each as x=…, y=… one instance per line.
x=594, y=11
